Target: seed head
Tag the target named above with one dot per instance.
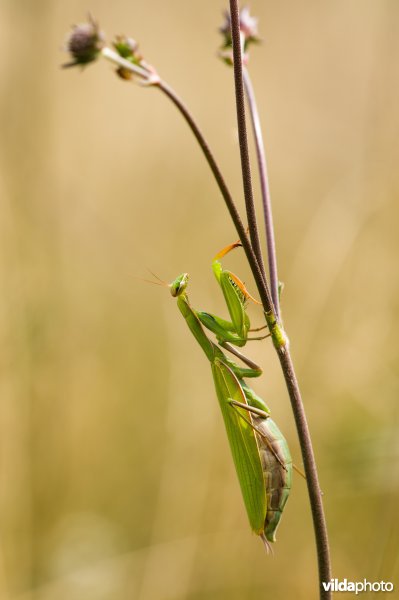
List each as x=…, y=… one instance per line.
x=85, y=43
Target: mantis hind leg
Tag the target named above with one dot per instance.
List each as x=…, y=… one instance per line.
x=300, y=472
x=258, y=328
x=264, y=415
x=260, y=413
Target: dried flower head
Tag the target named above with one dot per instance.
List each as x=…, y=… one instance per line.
x=85, y=43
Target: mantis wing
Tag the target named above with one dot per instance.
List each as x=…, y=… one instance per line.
x=243, y=445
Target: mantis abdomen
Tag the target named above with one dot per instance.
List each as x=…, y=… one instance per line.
x=277, y=470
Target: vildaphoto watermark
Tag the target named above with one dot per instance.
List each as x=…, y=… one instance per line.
x=335, y=585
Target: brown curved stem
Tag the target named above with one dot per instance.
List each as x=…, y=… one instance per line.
x=312, y=480
x=261, y=284
x=279, y=337
x=316, y=504
x=150, y=78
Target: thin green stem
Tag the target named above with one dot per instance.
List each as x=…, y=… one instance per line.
x=265, y=190
x=242, y=134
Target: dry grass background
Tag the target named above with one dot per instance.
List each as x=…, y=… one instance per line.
x=115, y=477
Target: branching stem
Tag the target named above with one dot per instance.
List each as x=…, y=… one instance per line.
x=152, y=79
x=253, y=252
x=115, y=58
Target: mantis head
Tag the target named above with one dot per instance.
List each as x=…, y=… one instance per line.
x=179, y=285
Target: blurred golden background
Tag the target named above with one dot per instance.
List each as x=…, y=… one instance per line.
x=116, y=480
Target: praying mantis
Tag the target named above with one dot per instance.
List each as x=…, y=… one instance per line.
x=260, y=452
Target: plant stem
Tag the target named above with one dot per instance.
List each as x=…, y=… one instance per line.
x=309, y=462
x=152, y=79
x=315, y=497
x=171, y=94
x=242, y=135
x=115, y=58
x=265, y=190
x=261, y=284
x=283, y=353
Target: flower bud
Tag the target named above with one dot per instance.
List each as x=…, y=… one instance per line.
x=249, y=34
x=127, y=48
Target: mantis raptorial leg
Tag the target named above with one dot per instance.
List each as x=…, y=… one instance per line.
x=236, y=297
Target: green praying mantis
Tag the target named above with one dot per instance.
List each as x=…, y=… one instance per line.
x=260, y=452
